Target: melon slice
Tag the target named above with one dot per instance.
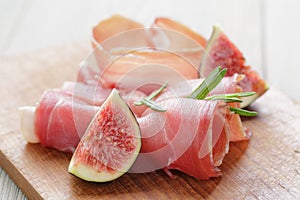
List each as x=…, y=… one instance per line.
x=220, y=51
x=110, y=144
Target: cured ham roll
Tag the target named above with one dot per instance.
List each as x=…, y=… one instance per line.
x=61, y=116
x=57, y=117
x=192, y=136
x=190, y=131
x=227, y=85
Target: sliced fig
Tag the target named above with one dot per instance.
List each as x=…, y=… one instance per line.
x=220, y=51
x=110, y=144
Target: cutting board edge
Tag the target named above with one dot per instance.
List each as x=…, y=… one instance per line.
x=18, y=178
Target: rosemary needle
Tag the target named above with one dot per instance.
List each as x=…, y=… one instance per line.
x=147, y=101
x=152, y=105
x=157, y=92
x=243, y=112
x=210, y=82
x=233, y=97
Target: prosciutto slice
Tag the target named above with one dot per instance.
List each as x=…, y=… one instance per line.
x=166, y=49
x=62, y=115
x=95, y=95
x=227, y=85
x=56, y=120
x=192, y=136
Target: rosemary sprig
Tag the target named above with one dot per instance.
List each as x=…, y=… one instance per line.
x=147, y=101
x=210, y=82
x=151, y=104
x=243, y=112
x=233, y=97
x=226, y=99
x=201, y=92
x=157, y=92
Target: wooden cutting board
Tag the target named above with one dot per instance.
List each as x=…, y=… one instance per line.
x=266, y=167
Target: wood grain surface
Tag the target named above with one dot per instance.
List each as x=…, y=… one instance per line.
x=266, y=167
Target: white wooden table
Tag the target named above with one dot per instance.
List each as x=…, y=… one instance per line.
x=266, y=31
